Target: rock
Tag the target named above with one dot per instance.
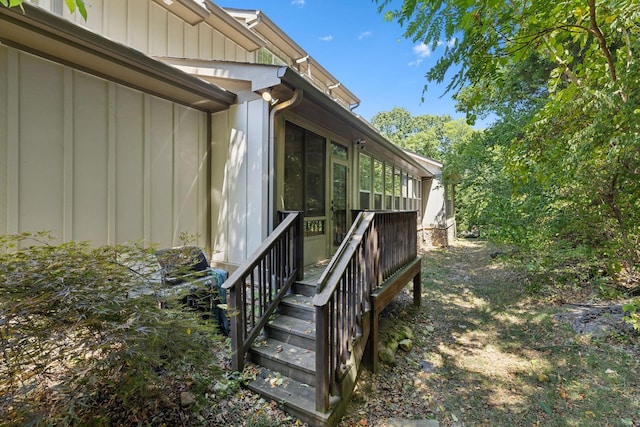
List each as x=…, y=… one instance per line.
x=430, y=328
x=187, y=399
x=406, y=344
x=407, y=332
x=387, y=356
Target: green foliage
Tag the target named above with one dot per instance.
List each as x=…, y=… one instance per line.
x=632, y=315
x=560, y=168
x=430, y=136
x=84, y=343
x=72, y=5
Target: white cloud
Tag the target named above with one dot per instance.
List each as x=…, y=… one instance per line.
x=326, y=38
x=299, y=3
x=364, y=35
x=421, y=51
x=449, y=43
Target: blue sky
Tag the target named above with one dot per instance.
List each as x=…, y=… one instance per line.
x=367, y=54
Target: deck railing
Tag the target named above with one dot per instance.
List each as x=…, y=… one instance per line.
x=377, y=245
x=255, y=290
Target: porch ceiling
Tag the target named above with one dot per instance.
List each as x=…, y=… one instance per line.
x=50, y=36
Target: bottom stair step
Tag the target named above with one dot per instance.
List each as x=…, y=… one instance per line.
x=296, y=398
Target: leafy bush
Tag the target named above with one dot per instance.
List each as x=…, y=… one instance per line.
x=82, y=345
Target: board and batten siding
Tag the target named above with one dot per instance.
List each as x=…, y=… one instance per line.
x=148, y=27
x=239, y=181
x=90, y=159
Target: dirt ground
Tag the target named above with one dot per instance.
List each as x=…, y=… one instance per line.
x=487, y=353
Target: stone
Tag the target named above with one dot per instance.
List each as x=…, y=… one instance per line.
x=387, y=356
x=406, y=344
x=187, y=399
x=407, y=332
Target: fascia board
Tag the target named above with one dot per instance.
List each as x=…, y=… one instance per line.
x=269, y=31
x=230, y=27
x=191, y=11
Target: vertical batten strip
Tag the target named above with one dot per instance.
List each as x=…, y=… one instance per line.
x=13, y=141
x=146, y=168
x=67, y=159
x=111, y=164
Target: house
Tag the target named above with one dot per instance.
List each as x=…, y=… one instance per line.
x=158, y=119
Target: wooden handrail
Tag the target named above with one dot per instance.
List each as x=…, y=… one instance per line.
x=377, y=245
x=256, y=288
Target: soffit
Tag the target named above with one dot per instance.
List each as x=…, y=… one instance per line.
x=47, y=35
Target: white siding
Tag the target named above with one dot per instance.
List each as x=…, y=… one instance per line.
x=89, y=159
x=148, y=27
x=239, y=185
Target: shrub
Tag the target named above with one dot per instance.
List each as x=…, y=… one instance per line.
x=78, y=349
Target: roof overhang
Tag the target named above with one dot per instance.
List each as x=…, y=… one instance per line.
x=316, y=105
x=300, y=59
x=47, y=35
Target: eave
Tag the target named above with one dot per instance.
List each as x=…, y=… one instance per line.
x=315, y=104
x=50, y=36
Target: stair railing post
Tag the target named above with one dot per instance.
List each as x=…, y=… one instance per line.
x=236, y=327
x=299, y=246
x=322, y=358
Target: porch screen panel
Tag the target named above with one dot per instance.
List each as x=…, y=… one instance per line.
x=378, y=176
x=365, y=181
x=294, y=168
x=396, y=188
x=388, y=186
x=304, y=171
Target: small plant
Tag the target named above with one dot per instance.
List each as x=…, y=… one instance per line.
x=632, y=313
x=81, y=344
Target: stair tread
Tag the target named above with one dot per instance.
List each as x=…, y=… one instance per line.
x=293, y=393
x=299, y=299
x=294, y=324
x=286, y=353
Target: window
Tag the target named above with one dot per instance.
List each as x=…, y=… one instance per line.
x=396, y=189
x=378, y=178
x=365, y=181
x=304, y=171
x=388, y=186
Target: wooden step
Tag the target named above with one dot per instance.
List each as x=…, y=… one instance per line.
x=289, y=360
x=304, y=288
x=294, y=331
x=297, y=399
x=297, y=305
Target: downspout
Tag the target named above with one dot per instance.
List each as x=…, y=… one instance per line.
x=292, y=102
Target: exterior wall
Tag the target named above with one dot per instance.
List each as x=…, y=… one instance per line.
x=148, y=27
x=438, y=224
x=239, y=181
x=89, y=159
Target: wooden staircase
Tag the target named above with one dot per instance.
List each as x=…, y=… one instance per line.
x=309, y=336
x=286, y=357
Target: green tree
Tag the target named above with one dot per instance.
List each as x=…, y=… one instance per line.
x=427, y=135
x=72, y=5
x=569, y=129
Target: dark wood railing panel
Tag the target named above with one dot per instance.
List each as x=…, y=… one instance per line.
x=378, y=245
x=255, y=290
